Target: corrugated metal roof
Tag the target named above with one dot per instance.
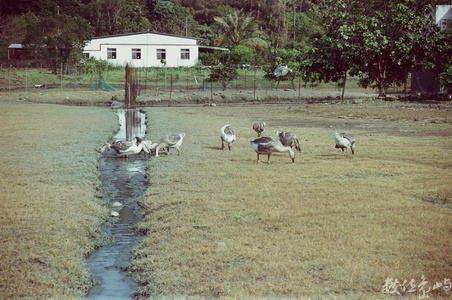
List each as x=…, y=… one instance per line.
x=16, y=46
x=148, y=32
x=214, y=48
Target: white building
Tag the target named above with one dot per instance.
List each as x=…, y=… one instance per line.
x=145, y=49
x=443, y=16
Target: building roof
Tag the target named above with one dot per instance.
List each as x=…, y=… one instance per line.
x=16, y=46
x=148, y=32
x=213, y=48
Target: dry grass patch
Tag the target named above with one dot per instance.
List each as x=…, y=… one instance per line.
x=51, y=214
x=220, y=225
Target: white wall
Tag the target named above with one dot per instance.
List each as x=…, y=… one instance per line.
x=148, y=43
x=443, y=13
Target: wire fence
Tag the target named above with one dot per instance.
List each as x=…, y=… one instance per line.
x=163, y=81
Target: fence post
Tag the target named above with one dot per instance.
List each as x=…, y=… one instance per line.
x=211, y=91
x=254, y=84
x=9, y=78
x=171, y=87
x=61, y=77
x=156, y=81
x=299, y=87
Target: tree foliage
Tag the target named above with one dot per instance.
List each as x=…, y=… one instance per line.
x=224, y=72
x=238, y=29
x=379, y=42
x=169, y=17
x=440, y=58
x=277, y=57
x=115, y=16
x=53, y=37
x=12, y=28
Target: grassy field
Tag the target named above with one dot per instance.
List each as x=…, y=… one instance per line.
x=49, y=200
x=219, y=224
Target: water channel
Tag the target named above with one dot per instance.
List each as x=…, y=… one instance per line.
x=123, y=180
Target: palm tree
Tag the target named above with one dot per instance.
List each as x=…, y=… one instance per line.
x=239, y=29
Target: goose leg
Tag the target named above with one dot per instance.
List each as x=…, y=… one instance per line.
x=268, y=156
x=257, y=157
x=222, y=144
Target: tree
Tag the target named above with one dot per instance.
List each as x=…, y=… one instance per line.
x=170, y=17
x=242, y=55
x=224, y=72
x=18, y=7
x=55, y=37
x=279, y=23
x=379, y=42
x=277, y=58
x=12, y=29
x=115, y=16
x=393, y=42
x=238, y=29
x=440, y=58
x=333, y=52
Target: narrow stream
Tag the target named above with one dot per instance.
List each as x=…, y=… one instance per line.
x=123, y=180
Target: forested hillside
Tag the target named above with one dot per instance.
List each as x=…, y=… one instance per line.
x=277, y=22
x=320, y=40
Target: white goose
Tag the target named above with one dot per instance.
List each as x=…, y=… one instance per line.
x=118, y=143
x=259, y=127
x=228, y=136
x=125, y=148
x=149, y=145
x=268, y=145
x=170, y=141
x=343, y=141
x=288, y=138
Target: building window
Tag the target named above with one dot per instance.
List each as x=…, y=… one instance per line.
x=184, y=53
x=86, y=55
x=161, y=54
x=111, y=53
x=136, y=53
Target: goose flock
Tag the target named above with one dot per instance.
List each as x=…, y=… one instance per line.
x=283, y=141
